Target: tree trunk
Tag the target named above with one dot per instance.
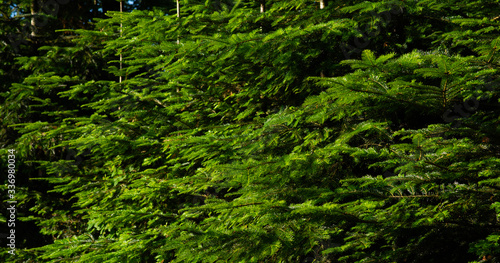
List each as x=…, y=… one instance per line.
x=178, y=16
x=33, y=18
x=121, y=29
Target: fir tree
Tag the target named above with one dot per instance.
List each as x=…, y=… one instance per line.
x=237, y=134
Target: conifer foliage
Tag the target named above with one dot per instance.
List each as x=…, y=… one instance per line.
x=264, y=131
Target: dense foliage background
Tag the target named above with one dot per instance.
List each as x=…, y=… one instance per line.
x=252, y=131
